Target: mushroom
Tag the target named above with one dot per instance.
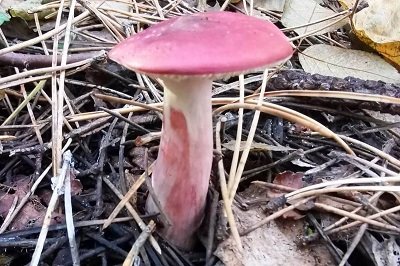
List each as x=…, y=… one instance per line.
x=186, y=54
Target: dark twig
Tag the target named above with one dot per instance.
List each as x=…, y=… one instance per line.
x=121, y=158
x=134, y=252
x=30, y=61
x=255, y=171
x=107, y=244
x=300, y=80
x=331, y=247
x=105, y=142
x=52, y=248
x=212, y=224
x=117, y=115
x=23, y=243
x=94, y=252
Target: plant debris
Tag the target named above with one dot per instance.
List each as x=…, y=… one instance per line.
x=306, y=172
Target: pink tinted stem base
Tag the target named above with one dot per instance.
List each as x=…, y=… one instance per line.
x=182, y=171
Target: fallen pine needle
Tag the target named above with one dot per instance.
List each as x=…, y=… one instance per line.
x=133, y=253
x=224, y=192
x=134, y=214
x=274, y=216
x=290, y=115
x=69, y=220
x=355, y=223
x=127, y=197
x=67, y=157
x=364, y=180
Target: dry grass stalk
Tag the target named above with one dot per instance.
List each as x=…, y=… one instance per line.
x=126, y=198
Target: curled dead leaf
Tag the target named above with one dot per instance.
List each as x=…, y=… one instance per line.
x=378, y=26
x=287, y=179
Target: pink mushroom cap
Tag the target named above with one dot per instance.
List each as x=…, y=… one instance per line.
x=211, y=43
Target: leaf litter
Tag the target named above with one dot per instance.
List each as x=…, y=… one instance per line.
x=279, y=221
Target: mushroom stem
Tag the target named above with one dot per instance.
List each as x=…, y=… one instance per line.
x=182, y=171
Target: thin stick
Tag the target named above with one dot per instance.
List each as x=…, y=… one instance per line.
x=100, y=114
x=292, y=116
x=51, y=206
x=364, y=180
x=69, y=220
x=331, y=94
x=159, y=9
x=31, y=115
x=224, y=191
x=127, y=197
x=56, y=141
x=344, y=219
x=21, y=106
x=224, y=5
x=370, y=164
x=39, y=30
x=249, y=141
x=125, y=101
x=133, y=212
x=378, y=152
x=43, y=70
x=25, y=80
x=355, y=223
x=37, y=60
x=57, y=135
x=228, y=100
x=274, y=216
x=133, y=253
x=29, y=108
x=78, y=224
x=356, y=217
x=7, y=137
x=354, y=244
x=236, y=151
x=342, y=189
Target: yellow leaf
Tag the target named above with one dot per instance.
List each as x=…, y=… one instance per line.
x=378, y=27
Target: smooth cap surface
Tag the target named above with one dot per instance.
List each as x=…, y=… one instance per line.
x=208, y=43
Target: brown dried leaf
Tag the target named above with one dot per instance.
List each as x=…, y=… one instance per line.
x=32, y=213
x=287, y=179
